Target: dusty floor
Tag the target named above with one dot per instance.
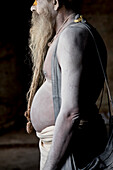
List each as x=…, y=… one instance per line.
x=19, y=151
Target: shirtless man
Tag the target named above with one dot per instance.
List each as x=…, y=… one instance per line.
x=81, y=84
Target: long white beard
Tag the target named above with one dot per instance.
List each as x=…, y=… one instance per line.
x=40, y=34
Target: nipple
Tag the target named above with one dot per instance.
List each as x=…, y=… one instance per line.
x=45, y=73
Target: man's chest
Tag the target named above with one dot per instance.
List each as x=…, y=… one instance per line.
x=47, y=63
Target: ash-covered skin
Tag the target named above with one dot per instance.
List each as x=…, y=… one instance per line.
x=81, y=83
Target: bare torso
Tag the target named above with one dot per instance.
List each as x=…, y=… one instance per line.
x=42, y=112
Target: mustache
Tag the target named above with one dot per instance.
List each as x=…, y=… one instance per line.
x=35, y=14
x=34, y=17
x=46, y=16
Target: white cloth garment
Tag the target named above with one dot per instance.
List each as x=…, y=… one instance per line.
x=45, y=136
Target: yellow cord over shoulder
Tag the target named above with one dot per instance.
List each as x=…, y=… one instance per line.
x=79, y=19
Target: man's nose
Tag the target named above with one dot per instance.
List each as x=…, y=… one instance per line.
x=33, y=8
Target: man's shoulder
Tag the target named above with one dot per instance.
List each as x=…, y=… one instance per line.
x=74, y=32
x=73, y=41
x=76, y=29
x=74, y=35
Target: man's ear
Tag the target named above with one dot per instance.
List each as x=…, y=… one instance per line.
x=56, y=4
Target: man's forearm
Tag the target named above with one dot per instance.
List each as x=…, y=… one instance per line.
x=61, y=139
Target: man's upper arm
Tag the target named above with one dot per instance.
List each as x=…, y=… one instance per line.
x=70, y=56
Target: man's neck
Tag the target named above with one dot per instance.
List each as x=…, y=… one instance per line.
x=62, y=15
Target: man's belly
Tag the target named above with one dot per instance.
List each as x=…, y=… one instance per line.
x=42, y=112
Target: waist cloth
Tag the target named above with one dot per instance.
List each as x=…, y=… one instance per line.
x=87, y=142
x=45, y=136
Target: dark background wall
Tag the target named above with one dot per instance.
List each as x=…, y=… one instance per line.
x=15, y=68
x=99, y=13
x=15, y=71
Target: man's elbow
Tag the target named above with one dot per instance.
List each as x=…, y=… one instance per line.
x=70, y=116
x=73, y=117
